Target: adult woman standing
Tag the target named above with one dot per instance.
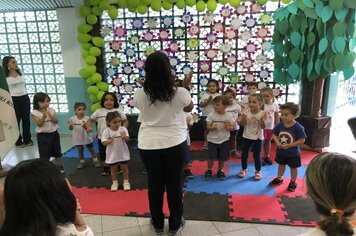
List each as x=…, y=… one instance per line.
x=20, y=99
x=162, y=139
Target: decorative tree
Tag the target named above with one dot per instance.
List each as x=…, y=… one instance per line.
x=313, y=39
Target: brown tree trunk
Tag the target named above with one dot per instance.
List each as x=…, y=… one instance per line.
x=317, y=97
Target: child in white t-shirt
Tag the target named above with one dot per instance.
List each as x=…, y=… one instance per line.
x=219, y=124
x=80, y=135
x=117, y=152
x=252, y=88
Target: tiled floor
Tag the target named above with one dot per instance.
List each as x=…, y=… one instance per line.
x=104, y=225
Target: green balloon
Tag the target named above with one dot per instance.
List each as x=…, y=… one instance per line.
x=190, y=3
x=83, y=38
x=99, y=42
x=84, y=11
x=113, y=13
x=94, y=2
x=99, y=95
x=234, y=3
x=262, y=2
x=95, y=51
x=132, y=3
x=104, y=5
x=91, y=70
x=167, y=5
x=85, y=54
x=92, y=19
x=90, y=60
x=90, y=81
x=95, y=106
x=131, y=9
x=212, y=5
x=93, y=98
x=156, y=5
x=103, y=86
x=223, y=1
x=84, y=28
x=84, y=73
x=145, y=2
x=93, y=90
x=142, y=9
x=96, y=78
x=180, y=4
x=122, y=3
x=200, y=6
x=96, y=10
x=86, y=46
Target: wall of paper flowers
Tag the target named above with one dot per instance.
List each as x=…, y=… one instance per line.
x=232, y=44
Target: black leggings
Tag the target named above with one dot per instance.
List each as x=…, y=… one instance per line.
x=352, y=124
x=22, y=109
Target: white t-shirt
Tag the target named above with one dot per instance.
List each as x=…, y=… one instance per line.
x=209, y=108
x=118, y=150
x=270, y=109
x=234, y=109
x=163, y=124
x=190, y=122
x=318, y=232
x=48, y=126
x=79, y=135
x=253, y=128
x=221, y=134
x=100, y=117
x=244, y=101
x=16, y=86
x=70, y=230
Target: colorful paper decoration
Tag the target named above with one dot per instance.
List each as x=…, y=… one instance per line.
x=137, y=23
x=114, y=61
x=247, y=63
x=227, y=11
x=203, y=80
x=251, y=47
x=230, y=34
x=110, y=71
x=256, y=7
x=246, y=35
x=262, y=32
x=265, y=19
x=264, y=73
x=187, y=18
x=231, y=59
x=173, y=46
x=241, y=9
x=130, y=52
x=235, y=23
x=208, y=17
x=211, y=37
x=139, y=63
x=211, y=53
x=147, y=36
x=105, y=31
x=193, y=43
x=234, y=78
x=261, y=59
x=116, y=81
x=218, y=27
x=204, y=66
x=186, y=69
x=115, y=46
x=250, y=22
x=223, y=70
x=179, y=32
x=192, y=56
x=194, y=29
x=152, y=23
x=174, y=61
x=134, y=39
x=120, y=32
x=225, y=48
x=127, y=69
x=167, y=21
x=149, y=50
x=164, y=34
x=248, y=77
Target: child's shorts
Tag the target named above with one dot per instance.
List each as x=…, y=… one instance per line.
x=233, y=133
x=219, y=151
x=267, y=134
x=89, y=145
x=120, y=163
x=49, y=145
x=293, y=161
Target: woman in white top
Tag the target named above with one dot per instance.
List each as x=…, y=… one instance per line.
x=20, y=99
x=162, y=139
x=37, y=200
x=331, y=183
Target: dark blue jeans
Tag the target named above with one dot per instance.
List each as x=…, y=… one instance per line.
x=165, y=173
x=256, y=149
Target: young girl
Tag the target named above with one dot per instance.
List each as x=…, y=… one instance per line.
x=234, y=109
x=80, y=136
x=109, y=104
x=47, y=124
x=253, y=121
x=117, y=152
x=206, y=105
x=272, y=112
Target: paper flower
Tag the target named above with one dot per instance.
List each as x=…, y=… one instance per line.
x=114, y=61
x=211, y=37
x=241, y=9
x=218, y=27
x=231, y=59
x=179, y=32
x=110, y=71
x=120, y=32
x=266, y=45
x=251, y=47
x=137, y=23
x=116, y=81
x=277, y=91
x=130, y=101
x=261, y=59
x=142, y=73
x=128, y=88
x=127, y=69
x=174, y=61
x=147, y=36
x=134, y=39
x=246, y=35
x=264, y=73
x=152, y=23
x=226, y=11
x=250, y=22
x=211, y=53
x=149, y=50
x=105, y=30
x=173, y=46
x=204, y=66
x=247, y=63
x=223, y=70
x=265, y=19
x=262, y=32
x=192, y=56
x=225, y=48
x=115, y=46
x=234, y=78
x=130, y=52
x=208, y=17
x=139, y=63
x=167, y=21
x=164, y=34
x=230, y=33
x=186, y=69
x=248, y=77
x=194, y=29
x=193, y=43
x=186, y=18
x=203, y=80
x=235, y=23
x=256, y=7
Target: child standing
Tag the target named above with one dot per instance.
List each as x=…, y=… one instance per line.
x=109, y=104
x=234, y=109
x=272, y=112
x=206, y=105
x=186, y=168
x=252, y=88
x=254, y=121
x=80, y=136
x=219, y=125
x=117, y=152
x=46, y=120
x=288, y=135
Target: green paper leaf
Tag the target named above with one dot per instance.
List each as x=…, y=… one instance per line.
x=293, y=70
x=349, y=72
x=303, y=25
x=310, y=12
x=339, y=28
x=300, y=4
x=283, y=27
x=326, y=13
x=339, y=61
x=292, y=8
x=319, y=8
x=323, y=44
x=294, y=22
x=350, y=4
x=308, y=3
x=338, y=44
x=350, y=29
x=295, y=55
x=278, y=62
x=336, y=4
x=295, y=39
x=341, y=14
x=310, y=38
x=309, y=68
x=326, y=66
x=320, y=26
x=311, y=24
x=318, y=64
x=349, y=59
x=279, y=49
x=352, y=44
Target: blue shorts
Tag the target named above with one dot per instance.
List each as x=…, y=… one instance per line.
x=292, y=162
x=49, y=145
x=219, y=151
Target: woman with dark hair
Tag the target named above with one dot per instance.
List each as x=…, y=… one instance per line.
x=20, y=99
x=331, y=183
x=38, y=206
x=162, y=139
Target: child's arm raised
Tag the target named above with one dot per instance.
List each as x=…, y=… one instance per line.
x=53, y=116
x=108, y=141
x=39, y=120
x=70, y=124
x=242, y=120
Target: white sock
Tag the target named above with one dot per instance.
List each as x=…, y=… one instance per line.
x=126, y=181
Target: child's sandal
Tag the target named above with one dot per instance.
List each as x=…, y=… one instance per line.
x=258, y=175
x=242, y=173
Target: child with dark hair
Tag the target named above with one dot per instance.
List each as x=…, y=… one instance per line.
x=288, y=135
x=252, y=88
x=34, y=205
x=108, y=103
x=117, y=152
x=330, y=179
x=46, y=120
x=206, y=104
x=219, y=124
x=80, y=135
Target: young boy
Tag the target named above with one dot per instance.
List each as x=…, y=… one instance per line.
x=288, y=135
x=252, y=88
x=80, y=136
x=219, y=125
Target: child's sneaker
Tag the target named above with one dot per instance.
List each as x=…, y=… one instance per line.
x=114, y=186
x=292, y=186
x=234, y=154
x=267, y=161
x=105, y=171
x=205, y=147
x=175, y=232
x=275, y=182
x=61, y=169
x=127, y=186
x=159, y=231
x=188, y=174
x=208, y=174
x=221, y=175
x=96, y=163
x=258, y=175
x=242, y=173
x=80, y=165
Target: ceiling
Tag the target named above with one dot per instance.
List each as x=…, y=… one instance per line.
x=20, y=5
